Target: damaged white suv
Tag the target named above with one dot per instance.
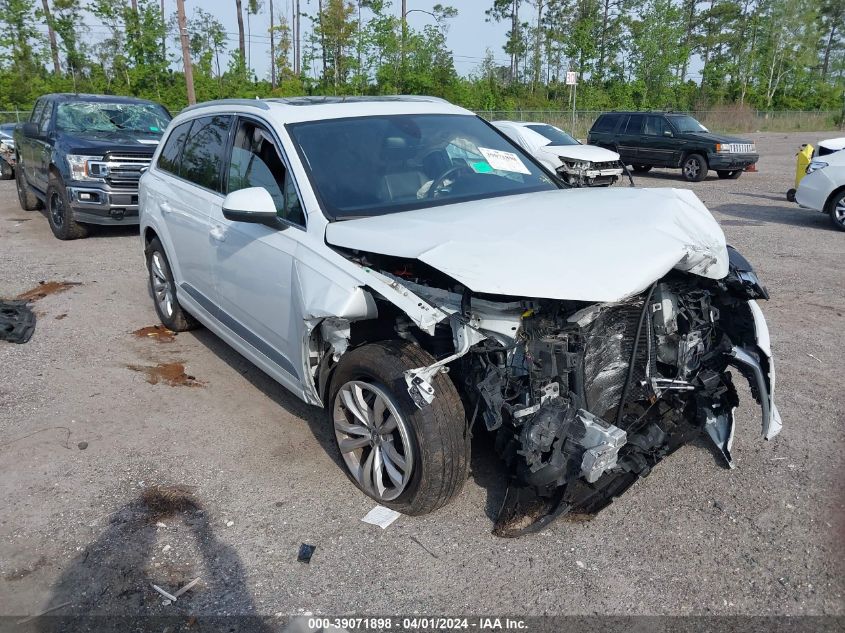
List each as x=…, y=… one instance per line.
x=401, y=263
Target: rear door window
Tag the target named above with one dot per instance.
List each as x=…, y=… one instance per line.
x=200, y=161
x=635, y=124
x=37, y=111
x=168, y=160
x=656, y=125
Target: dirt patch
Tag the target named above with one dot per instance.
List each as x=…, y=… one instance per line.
x=61, y=316
x=46, y=288
x=167, y=500
x=19, y=574
x=172, y=374
x=157, y=332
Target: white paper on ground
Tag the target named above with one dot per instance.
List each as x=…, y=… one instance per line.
x=504, y=161
x=381, y=516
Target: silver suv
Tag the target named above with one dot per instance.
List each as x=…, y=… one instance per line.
x=403, y=264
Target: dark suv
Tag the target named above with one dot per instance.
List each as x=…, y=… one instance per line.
x=82, y=156
x=668, y=139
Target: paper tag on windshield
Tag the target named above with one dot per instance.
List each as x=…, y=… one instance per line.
x=504, y=161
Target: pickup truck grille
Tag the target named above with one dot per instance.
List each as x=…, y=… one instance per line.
x=125, y=169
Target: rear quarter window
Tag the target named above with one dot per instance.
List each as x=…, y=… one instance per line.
x=606, y=123
x=168, y=160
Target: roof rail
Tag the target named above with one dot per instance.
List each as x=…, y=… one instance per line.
x=255, y=103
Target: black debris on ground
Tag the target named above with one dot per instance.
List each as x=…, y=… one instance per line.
x=17, y=321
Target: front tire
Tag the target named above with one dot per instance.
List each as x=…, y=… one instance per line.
x=60, y=215
x=163, y=290
x=406, y=458
x=26, y=197
x=836, y=210
x=694, y=168
x=730, y=174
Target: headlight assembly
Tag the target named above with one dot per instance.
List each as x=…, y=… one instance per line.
x=815, y=165
x=89, y=168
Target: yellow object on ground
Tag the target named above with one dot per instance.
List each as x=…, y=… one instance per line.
x=804, y=156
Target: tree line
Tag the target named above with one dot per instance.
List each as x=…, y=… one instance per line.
x=681, y=54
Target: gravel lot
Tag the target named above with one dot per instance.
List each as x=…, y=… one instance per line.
x=693, y=538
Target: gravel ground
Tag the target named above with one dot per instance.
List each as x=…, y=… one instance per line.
x=82, y=436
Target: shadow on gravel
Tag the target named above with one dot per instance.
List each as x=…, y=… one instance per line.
x=777, y=214
x=488, y=470
x=98, y=230
x=108, y=586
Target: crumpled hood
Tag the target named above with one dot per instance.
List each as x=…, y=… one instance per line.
x=579, y=244
x=591, y=153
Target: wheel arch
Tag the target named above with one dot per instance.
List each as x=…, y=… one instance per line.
x=831, y=197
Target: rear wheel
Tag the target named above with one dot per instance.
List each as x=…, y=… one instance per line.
x=694, y=168
x=410, y=459
x=163, y=289
x=731, y=174
x=836, y=209
x=641, y=169
x=26, y=197
x=60, y=215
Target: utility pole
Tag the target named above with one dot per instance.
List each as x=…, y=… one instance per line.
x=186, y=51
x=297, y=64
x=54, y=48
x=163, y=34
x=272, y=49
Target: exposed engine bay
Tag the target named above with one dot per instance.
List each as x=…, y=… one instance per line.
x=585, y=398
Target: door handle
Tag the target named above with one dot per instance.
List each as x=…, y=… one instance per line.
x=218, y=233
x=165, y=207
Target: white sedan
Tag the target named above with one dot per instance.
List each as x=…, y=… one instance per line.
x=823, y=188
x=579, y=165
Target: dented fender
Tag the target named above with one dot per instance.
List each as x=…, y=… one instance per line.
x=772, y=423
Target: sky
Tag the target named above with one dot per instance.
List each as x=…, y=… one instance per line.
x=469, y=34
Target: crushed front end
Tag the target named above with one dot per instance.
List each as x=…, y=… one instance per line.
x=586, y=398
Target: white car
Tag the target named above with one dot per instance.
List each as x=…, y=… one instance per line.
x=823, y=188
x=829, y=146
x=402, y=264
x=579, y=165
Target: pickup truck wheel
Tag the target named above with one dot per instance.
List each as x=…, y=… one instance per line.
x=836, y=209
x=60, y=215
x=694, y=168
x=163, y=290
x=641, y=169
x=7, y=172
x=731, y=174
x=411, y=459
x=27, y=199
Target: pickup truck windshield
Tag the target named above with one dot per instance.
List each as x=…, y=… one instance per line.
x=556, y=137
x=686, y=123
x=376, y=165
x=111, y=117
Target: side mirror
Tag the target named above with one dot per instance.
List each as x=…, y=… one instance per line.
x=254, y=204
x=30, y=130
x=667, y=133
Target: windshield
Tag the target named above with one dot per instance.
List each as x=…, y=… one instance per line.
x=376, y=165
x=686, y=123
x=137, y=118
x=556, y=136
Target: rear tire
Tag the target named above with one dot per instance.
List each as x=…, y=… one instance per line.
x=26, y=197
x=433, y=442
x=694, y=168
x=836, y=210
x=59, y=213
x=731, y=174
x=163, y=290
x=641, y=169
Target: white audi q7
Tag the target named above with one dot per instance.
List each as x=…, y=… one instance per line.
x=403, y=264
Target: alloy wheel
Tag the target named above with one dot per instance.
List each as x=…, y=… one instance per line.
x=374, y=439
x=838, y=213
x=57, y=210
x=691, y=168
x=162, y=286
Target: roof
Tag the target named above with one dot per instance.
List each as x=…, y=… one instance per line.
x=300, y=109
x=71, y=96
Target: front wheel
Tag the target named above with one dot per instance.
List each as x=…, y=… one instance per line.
x=406, y=458
x=731, y=174
x=60, y=215
x=694, y=168
x=836, y=209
